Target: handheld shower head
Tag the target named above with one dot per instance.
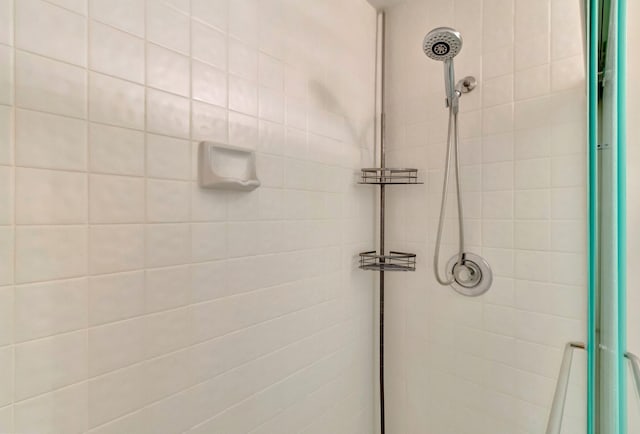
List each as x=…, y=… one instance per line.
x=443, y=44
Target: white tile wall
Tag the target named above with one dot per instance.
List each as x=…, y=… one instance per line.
x=489, y=365
x=131, y=300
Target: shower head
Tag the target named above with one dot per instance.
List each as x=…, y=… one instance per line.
x=442, y=43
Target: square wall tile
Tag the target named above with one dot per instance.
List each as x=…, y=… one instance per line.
x=127, y=15
x=115, y=150
x=6, y=134
x=270, y=72
x=532, y=204
x=115, y=394
x=63, y=410
x=168, y=244
x=533, y=82
x=167, y=114
x=209, y=123
x=208, y=204
x=6, y=195
x=211, y=12
x=115, y=297
x=167, y=288
x=6, y=75
x=208, y=241
x=116, y=102
x=47, y=253
x=534, y=173
x=243, y=96
x=114, y=346
x=6, y=318
x=50, y=86
x=167, y=26
x=116, y=53
x=115, y=248
x=209, y=84
x=243, y=60
x=208, y=45
x=6, y=22
x=168, y=70
x=116, y=199
x=51, y=31
x=168, y=201
x=244, y=21
x=6, y=255
x=51, y=308
x=47, y=364
x=168, y=158
x=6, y=418
x=6, y=376
x=243, y=130
x=50, y=197
x=50, y=141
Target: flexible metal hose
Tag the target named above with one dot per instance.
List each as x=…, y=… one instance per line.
x=452, y=142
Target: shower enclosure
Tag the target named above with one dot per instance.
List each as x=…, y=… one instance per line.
x=186, y=240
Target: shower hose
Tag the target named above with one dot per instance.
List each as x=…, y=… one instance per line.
x=452, y=142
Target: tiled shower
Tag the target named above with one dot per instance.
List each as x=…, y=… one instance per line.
x=133, y=300
x=489, y=364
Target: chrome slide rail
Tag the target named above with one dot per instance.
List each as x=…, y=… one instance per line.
x=560, y=396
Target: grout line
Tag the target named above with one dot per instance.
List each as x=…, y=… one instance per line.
x=13, y=152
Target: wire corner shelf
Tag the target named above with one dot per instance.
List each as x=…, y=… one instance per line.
x=386, y=176
x=394, y=261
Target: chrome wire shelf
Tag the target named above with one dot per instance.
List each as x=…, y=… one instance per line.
x=384, y=175
x=394, y=261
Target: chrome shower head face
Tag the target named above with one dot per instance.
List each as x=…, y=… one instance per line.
x=442, y=43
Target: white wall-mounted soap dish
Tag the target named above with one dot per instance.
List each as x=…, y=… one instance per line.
x=226, y=167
